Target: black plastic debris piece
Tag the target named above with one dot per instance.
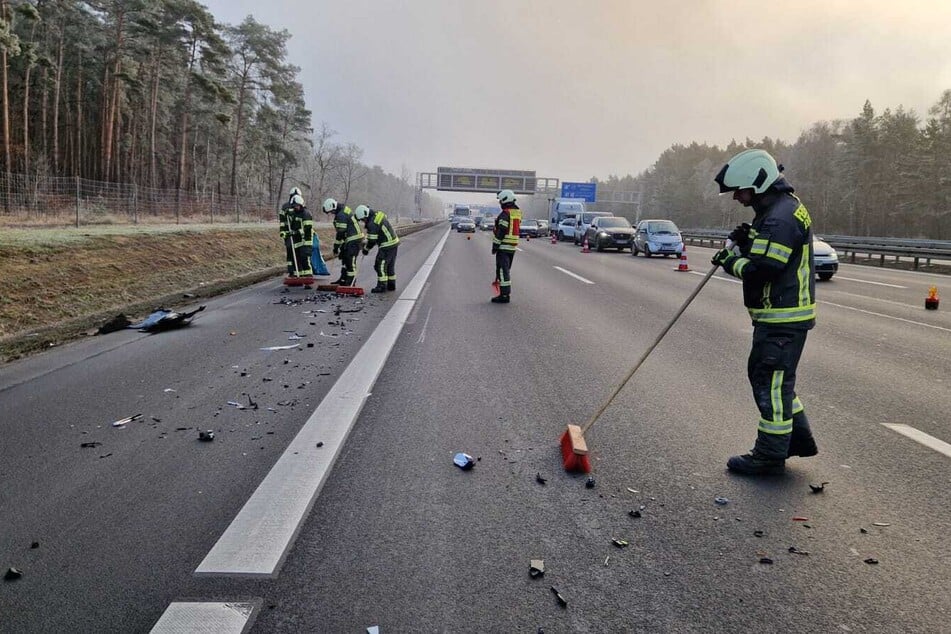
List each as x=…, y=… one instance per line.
x=634, y=513
x=722, y=501
x=251, y=403
x=105, y=456
x=766, y=560
x=90, y=445
x=320, y=444
x=464, y=461
x=864, y=531
x=561, y=600
x=871, y=561
x=759, y=533
x=164, y=319
x=536, y=568
x=818, y=488
x=620, y=543
x=35, y=545
x=119, y=322
x=13, y=574
x=797, y=551
x=206, y=436
x=539, y=479
x=589, y=483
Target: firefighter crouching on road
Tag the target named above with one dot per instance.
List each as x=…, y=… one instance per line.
x=297, y=231
x=504, y=243
x=775, y=262
x=348, y=240
x=380, y=234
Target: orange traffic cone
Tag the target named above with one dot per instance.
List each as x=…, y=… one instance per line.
x=683, y=261
x=584, y=245
x=931, y=302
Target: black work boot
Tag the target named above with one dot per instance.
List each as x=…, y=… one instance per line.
x=379, y=288
x=391, y=285
x=500, y=299
x=801, y=442
x=766, y=458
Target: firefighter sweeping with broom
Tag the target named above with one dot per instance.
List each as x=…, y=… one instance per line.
x=347, y=241
x=297, y=231
x=380, y=234
x=776, y=265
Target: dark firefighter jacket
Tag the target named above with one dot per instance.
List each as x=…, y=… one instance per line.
x=506, y=229
x=348, y=228
x=297, y=223
x=777, y=265
x=380, y=231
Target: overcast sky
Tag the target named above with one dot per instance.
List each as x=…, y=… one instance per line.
x=581, y=88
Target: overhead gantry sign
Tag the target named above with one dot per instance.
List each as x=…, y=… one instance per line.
x=488, y=181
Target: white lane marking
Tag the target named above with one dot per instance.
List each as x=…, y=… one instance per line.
x=518, y=248
x=876, y=299
x=869, y=312
x=422, y=333
x=257, y=541
x=574, y=275
x=213, y=618
x=921, y=437
x=852, y=279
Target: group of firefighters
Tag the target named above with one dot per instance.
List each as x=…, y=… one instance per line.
x=771, y=255
x=303, y=247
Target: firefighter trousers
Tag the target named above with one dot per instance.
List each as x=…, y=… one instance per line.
x=385, y=266
x=503, y=271
x=774, y=358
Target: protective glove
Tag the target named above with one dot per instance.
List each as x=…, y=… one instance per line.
x=283, y=235
x=336, y=250
x=495, y=249
x=366, y=251
x=724, y=258
x=741, y=235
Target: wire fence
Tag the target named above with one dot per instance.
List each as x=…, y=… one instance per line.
x=27, y=200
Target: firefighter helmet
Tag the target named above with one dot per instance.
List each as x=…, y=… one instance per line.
x=330, y=205
x=750, y=169
x=361, y=212
x=506, y=196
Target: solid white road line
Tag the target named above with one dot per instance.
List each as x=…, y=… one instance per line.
x=722, y=278
x=919, y=436
x=260, y=536
x=852, y=279
x=213, y=618
x=869, y=312
x=574, y=275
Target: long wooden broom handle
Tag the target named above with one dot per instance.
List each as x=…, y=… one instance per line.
x=650, y=349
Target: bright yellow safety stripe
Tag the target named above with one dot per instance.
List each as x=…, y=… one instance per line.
x=783, y=315
x=804, y=275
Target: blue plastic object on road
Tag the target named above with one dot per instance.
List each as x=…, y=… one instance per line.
x=317, y=260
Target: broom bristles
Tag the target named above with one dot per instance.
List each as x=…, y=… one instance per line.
x=572, y=461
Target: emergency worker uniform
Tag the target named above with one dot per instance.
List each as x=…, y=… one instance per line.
x=297, y=231
x=504, y=243
x=777, y=268
x=380, y=233
x=347, y=243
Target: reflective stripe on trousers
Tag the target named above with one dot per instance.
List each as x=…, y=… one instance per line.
x=774, y=358
x=503, y=270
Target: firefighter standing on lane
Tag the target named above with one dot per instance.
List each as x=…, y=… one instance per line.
x=776, y=264
x=504, y=243
x=380, y=234
x=348, y=240
x=297, y=231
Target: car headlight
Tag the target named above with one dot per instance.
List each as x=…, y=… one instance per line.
x=602, y=234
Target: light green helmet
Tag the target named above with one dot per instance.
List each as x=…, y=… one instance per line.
x=330, y=205
x=361, y=212
x=506, y=196
x=750, y=169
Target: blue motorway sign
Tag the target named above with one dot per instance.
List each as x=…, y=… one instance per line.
x=585, y=191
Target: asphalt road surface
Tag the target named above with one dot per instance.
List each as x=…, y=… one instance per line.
x=335, y=506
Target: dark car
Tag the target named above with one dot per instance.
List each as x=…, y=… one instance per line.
x=465, y=225
x=528, y=228
x=610, y=232
x=827, y=260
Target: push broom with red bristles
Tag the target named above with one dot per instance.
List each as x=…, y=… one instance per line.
x=574, y=449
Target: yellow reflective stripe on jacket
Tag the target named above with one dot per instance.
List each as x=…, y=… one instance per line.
x=783, y=315
x=389, y=234
x=510, y=241
x=804, y=274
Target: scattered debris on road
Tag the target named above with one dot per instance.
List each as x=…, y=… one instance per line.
x=536, y=568
x=620, y=543
x=13, y=574
x=634, y=513
x=871, y=561
x=796, y=551
x=766, y=560
x=880, y=524
x=272, y=348
x=539, y=479
x=561, y=600
x=589, y=483
x=164, y=319
x=464, y=461
x=818, y=488
x=722, y=501
x=90, y=445
x=122, y=421
x=206, y=436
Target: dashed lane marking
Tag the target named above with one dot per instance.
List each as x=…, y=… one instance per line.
x=921, y=437
x=852, y=279
x=869, y=312
x=213, y=618
x=574, y=275
x=257, y=541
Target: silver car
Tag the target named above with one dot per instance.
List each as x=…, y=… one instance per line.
x=827, y=260
x=657, y=237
